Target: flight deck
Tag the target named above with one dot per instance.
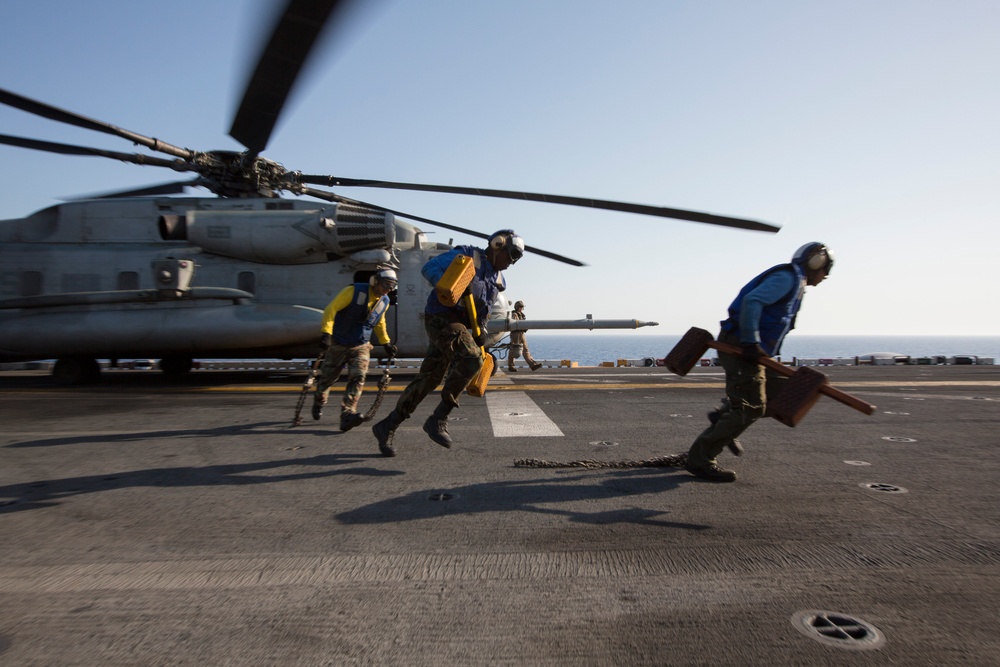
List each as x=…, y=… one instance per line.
x=153, y=521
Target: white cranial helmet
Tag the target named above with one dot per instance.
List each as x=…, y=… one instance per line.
x=387, y=276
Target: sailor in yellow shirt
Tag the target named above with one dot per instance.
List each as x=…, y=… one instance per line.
x=348, y=323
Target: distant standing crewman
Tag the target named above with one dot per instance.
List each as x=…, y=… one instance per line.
x=452, y=348
x=517, y=338
x=759, y=318
x=348, y=323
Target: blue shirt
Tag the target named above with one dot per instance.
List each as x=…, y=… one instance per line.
x=485, y=286
x=765, y=309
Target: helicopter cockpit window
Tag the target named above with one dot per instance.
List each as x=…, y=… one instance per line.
x=31, y=283
x=247, y=281
x=128, y=280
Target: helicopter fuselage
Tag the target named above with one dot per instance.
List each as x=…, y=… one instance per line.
x=197, y=277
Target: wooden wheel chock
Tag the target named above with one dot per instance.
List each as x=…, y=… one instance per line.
x=796, y=398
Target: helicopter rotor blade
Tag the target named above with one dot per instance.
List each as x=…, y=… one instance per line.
x=329, y=196
x=642, y=209
x=171, y=188
x=70, y=149
x=63, y=116
x=282, y=59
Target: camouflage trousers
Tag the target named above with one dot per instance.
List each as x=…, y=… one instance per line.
x=748, y=388
x=516, y=352
x=356, y=359
x=452, y=356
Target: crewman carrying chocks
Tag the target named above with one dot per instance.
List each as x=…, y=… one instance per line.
x=348, y=323
x=454, y=354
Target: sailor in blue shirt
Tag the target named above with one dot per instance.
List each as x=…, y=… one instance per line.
x=759, y=318
x=453, y=355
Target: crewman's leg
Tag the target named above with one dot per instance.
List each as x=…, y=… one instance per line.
x=467, y=360
x=513, y=352
x=432, y=369
x=357, y=369
x=329, y=371
x=745, y=389
x=530, y=360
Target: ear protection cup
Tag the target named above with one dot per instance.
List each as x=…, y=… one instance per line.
x=499, y=239
x=818, y=259
x=813, y=256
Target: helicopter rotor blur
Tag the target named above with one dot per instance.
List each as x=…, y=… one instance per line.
x=113, y=276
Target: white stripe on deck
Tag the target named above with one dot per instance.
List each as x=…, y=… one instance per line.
x=514, y=415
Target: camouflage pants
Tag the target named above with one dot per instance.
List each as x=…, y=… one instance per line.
x=356, y=359
x=452, y=355
x=748, y=387
x=523, y=351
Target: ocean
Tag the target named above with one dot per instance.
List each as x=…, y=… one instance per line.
x=590, y=349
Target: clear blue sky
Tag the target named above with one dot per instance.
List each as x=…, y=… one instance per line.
x=871, y=126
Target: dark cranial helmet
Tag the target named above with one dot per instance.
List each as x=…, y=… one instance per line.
x=518, y=305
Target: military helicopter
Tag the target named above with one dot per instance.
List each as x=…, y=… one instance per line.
x=245, y=273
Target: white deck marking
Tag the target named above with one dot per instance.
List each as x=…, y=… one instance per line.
x=514, y=415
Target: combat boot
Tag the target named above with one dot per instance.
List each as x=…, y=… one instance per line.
x=436, y=425
x=317, y=410
x=535, y=366
x=712, y=472
x=384, y=431
x=349, y=420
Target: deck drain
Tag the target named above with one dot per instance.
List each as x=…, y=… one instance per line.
x=889, y=412
x=517, y=414
x=440, y=496
x=894, y=438
x=458, y=419
x=857, y=463
x=682, y=416
x=551, y=403
x=836, y=629
x=884, y=488
x=981, y=398
x=604, y=443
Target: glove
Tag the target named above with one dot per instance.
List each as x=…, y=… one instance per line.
x=481, y=339
x=752, y=353
x=325, y=341
x=391, y=350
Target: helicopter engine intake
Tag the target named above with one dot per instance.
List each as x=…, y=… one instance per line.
x=283, y=236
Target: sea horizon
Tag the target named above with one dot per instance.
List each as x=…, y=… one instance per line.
x=592, y=348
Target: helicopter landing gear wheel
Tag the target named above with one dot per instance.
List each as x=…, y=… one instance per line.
x=75, y=370
x=176, y=365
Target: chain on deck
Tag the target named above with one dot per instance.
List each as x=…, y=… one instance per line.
x=383, y=384
x=669, y=461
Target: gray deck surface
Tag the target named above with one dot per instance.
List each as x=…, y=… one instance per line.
x=149, y=522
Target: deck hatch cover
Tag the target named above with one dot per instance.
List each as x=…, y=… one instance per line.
x=837, y=629
x=884, y=488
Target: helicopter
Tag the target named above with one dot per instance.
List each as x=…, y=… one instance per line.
x=244, y=273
